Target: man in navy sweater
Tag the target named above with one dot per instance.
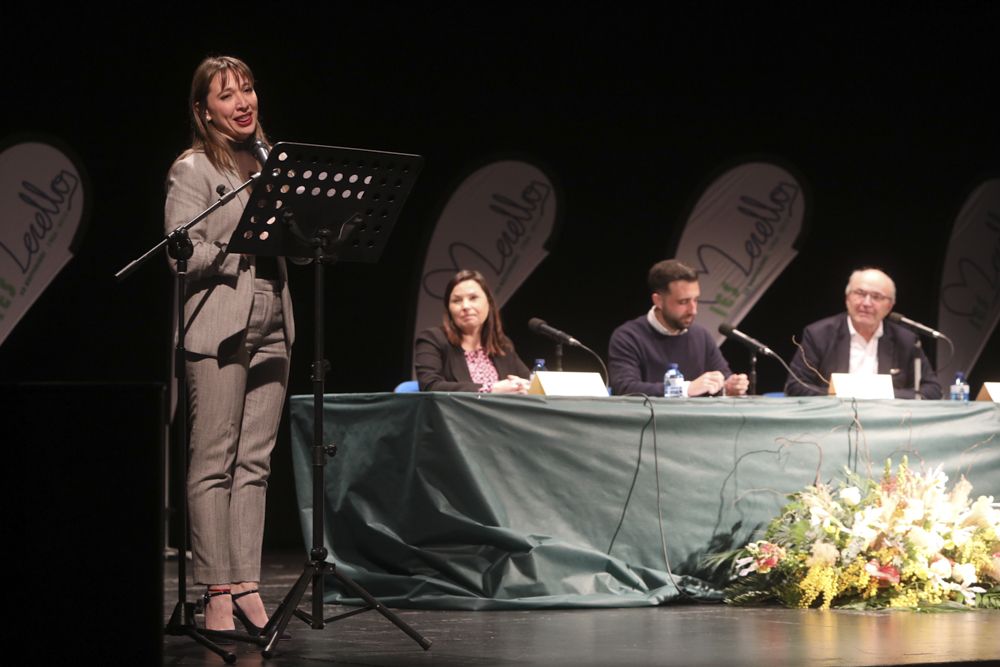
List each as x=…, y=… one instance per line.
x=641, y=349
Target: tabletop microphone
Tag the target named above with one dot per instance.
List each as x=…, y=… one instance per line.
x=729, y=332
x=540, y=327
x=916, y=326
x=260, y=151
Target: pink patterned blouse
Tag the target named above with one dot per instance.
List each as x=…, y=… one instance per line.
x=481, y=369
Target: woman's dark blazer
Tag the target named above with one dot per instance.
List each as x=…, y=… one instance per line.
x=441, y=366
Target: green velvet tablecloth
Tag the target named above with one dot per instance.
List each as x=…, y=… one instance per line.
x=467, y=501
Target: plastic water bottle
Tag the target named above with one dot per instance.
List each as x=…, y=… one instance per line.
x=673, y=382
x=960, y=388
x=539, y=366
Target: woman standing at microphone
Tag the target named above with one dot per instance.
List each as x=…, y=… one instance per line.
x=239, y=332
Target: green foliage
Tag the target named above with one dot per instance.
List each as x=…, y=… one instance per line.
x=990, y=599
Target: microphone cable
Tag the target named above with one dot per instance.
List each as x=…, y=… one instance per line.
x=659, y=505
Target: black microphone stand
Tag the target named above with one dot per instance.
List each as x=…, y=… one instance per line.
x=180, y=248
x=559, y=354
x=756, y=347
x=224, y=198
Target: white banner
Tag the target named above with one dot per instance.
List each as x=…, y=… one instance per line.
x=497, y=222
x=969, y=306
x=740, y=236
x=42, y=206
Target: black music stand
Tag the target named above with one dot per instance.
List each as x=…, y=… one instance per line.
x=329, y=204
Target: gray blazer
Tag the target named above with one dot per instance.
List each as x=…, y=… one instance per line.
x=219, y=284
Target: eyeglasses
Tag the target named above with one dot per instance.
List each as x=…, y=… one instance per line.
x=860, y=295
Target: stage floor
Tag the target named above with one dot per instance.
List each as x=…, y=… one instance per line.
x=684, y=634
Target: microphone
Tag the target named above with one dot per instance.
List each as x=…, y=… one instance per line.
x=916, y=326
x=260, y=151
x=729, y=332
x=540, y=327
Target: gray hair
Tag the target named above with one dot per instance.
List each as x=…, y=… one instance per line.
x=857, y=274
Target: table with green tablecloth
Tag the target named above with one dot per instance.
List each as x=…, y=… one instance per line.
x=468, y=501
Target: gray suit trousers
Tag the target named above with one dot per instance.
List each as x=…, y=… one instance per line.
x=235, y=403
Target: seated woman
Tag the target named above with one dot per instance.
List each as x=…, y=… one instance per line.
x=469, y=351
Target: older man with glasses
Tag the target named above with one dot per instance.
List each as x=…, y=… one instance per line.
x=862, y=341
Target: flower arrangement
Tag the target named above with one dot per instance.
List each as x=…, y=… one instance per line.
x=902, y=541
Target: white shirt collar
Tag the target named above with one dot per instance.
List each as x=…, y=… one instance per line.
x=854, y=332
x=658, y=326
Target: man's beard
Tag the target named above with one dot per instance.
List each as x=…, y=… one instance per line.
x=674, y=324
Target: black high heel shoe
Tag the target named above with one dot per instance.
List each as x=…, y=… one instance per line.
x=217, y=636
x=252, y=629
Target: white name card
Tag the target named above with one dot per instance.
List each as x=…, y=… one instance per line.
x=861, y=385
x=989, y=392
x=567, y=383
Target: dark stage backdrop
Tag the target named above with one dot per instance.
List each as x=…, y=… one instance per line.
x=890, y=118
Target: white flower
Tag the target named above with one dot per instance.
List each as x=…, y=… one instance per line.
x=961, y=536
x=746, y=565
x=926, y=541
x=941, y=567
x=964, y=573
x=817, y=515
x=887, y=503
x=867, y=524
x=914, y=511
x=968, y=592
x=982, y=514
x=851, y=495
x=959, y=497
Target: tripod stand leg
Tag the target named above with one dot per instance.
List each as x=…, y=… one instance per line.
x=283, y=614
x=382, y=609
x=181, y=624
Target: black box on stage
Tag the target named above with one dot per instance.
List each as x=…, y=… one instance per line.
x=83, y=499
